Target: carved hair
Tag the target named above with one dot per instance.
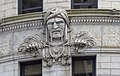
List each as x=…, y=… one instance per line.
x=56, y=12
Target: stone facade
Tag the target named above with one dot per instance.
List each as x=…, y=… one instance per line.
x=9, y=8
x=111, y=4
x=103, y=26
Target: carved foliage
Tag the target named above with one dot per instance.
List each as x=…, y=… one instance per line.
x=82, y=40
x=31, y=45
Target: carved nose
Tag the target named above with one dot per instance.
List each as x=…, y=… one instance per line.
x=55, y=25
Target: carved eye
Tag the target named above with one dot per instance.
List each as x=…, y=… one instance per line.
x=59, y=22
x=49, y=25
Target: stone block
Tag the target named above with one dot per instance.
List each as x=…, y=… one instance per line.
x=103, y=59
x=98, y=65
x=115, y=72
x=115, y=59
x=110, y=36
x=110, y=65
x=102, y=4
x=115, y=5
x=10, y=12
x=7, y=6
x=1, y=2
x=63, y=73
x=2, y=14
x=5, y=43
x=65, y=5
x=106, y=75
x=103, y=71
x=57, y=68
x=1, y=68
x=48, y=6
x=16, y=73
x=10, y=73
x=11, y=67
x=110, y=55
x=111, y=0
x=9, y=1
x=51, y=73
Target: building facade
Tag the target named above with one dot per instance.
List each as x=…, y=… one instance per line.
x=59, y=37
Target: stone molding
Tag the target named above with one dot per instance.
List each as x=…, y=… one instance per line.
x=82, y=16
x=39, y=23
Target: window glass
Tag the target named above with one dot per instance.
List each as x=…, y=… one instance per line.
x=31, y=3
x=33, y=68
x=84, y=66
x=77, y=4
x=29, y=6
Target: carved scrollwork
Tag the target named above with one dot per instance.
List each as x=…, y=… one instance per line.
x=82, y=40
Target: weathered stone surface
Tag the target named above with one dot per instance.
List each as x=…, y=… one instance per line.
x=94, y=31
x=110, y=35
x=103, y=71
x=5, y=43
x=21, y=35
x=106, y=35
x=57, y=70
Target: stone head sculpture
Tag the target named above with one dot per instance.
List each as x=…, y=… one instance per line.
x=56, y=25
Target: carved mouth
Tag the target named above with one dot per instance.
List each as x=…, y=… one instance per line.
x=56, y=31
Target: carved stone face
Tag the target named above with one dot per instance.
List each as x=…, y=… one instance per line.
x=56, y=27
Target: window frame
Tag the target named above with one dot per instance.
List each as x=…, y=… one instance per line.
x=23, y=64
x=72, y=4
x=20, y=10
x=79, y=58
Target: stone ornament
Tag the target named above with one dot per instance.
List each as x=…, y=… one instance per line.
x=55, y=46
x=82, y=40
x=31, y=45
x=56, y=30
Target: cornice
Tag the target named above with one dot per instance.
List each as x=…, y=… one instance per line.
x=75, y=15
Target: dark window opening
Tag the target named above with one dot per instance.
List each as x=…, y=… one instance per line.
x=84, y=66
x=29, y=6
x=77, y=4
x=31, y=68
